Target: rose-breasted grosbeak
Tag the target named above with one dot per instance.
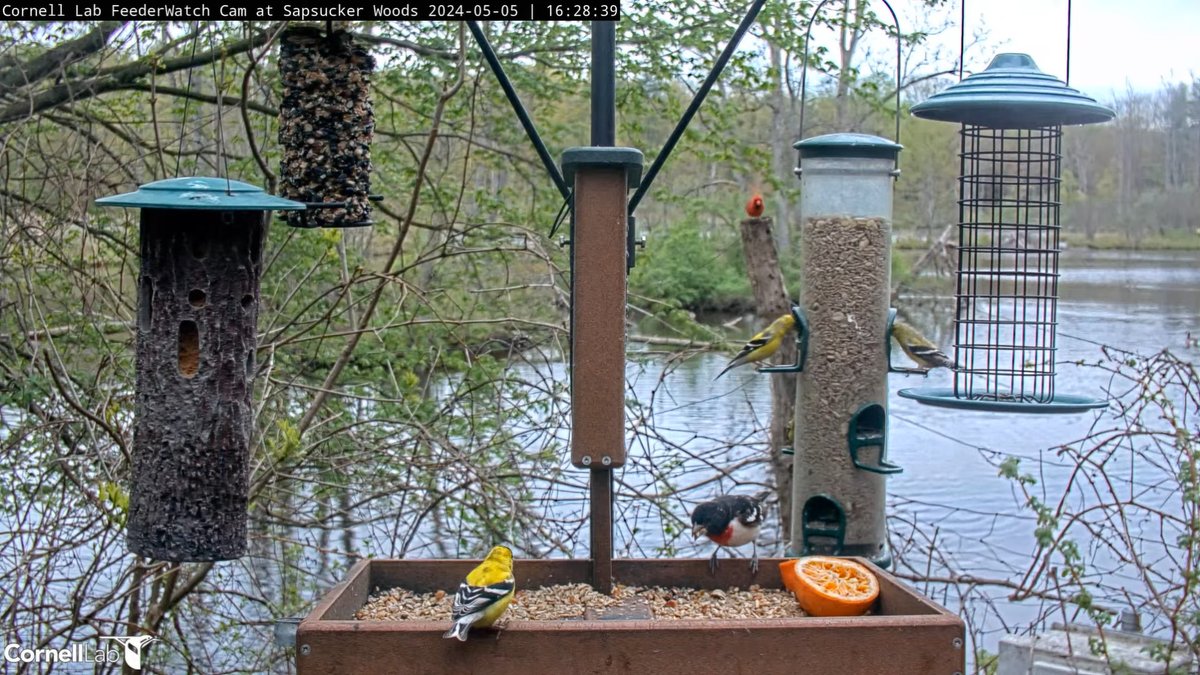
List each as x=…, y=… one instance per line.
x=731, y=520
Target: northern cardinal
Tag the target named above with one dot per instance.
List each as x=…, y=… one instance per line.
x=754, y=207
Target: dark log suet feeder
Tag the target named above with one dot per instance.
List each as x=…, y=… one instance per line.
x=1006, y=317
x=201, y=256
x=326, y=123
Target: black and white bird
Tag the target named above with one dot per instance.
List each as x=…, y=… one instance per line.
x=731, y=520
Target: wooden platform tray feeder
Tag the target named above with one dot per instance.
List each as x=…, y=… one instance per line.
x=905, y=633
x=201, y=258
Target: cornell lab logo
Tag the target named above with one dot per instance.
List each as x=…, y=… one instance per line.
x=78, y=653
x=133, y=647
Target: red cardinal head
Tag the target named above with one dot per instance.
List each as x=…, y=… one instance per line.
x=754, y=207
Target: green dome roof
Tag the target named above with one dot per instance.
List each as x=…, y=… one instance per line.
x=202, y=194
x=1012, y=93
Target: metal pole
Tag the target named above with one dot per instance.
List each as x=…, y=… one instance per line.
x=694, y=106
x=604, y=133
x=604, y=83
x=489, y=55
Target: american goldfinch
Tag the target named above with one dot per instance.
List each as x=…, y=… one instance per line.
x=919, y=348
x=485, y=594
x=730, y=520
x=764, y=344
x=754, y=206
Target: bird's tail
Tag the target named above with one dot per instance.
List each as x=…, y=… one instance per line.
x=732, y=364
x=458, y=630
x=939, y=358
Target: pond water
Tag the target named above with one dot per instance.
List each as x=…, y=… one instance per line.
x=1141, y=302
x=696, y=437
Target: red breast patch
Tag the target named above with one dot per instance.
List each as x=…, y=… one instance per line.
x=724, y=537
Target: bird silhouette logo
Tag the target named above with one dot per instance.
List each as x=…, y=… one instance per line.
x=133, y=645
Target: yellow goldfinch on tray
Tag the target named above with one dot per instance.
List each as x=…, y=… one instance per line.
x=764, y=344
x=485, y=594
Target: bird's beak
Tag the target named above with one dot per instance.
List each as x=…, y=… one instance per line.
x=698, y=531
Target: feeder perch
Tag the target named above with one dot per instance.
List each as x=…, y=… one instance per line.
x=868, y=429
x=801, y=346
x=1006, y=298
x=201, y=256
x=326, y=123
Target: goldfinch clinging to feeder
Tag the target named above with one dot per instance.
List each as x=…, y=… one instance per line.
x=485, y=594
x=919, y=348
x=731, y=520
x=764, y=344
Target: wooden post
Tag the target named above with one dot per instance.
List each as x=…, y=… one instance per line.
x=771, y=300
x=601, y=178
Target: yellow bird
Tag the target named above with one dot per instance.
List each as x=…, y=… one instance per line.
x=919, y=348
x=764, y=344
x=484, y=595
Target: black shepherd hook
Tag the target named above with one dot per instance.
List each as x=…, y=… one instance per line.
x=804, y=68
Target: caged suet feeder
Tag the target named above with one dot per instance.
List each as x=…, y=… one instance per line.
x=1005, y=322
x=326, y=124
x=197, y=318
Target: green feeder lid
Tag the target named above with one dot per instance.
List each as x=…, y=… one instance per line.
x=201, y=194
x=1012, y=93
x=848, y=145
x=1060, y=404
x=629, y=159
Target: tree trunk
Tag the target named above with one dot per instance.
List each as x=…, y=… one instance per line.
x=782, y=156
x=771, y=300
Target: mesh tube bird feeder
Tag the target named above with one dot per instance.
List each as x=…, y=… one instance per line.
x=1006, y=316
x=201, y=257
x=326, y=124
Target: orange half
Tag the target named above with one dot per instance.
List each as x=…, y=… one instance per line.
x=826, y=586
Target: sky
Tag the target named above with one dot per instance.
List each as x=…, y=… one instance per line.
x=1142, y=43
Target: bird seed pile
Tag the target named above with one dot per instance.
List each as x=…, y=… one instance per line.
x=572, y=601
x=845, y=294
x=326, y=123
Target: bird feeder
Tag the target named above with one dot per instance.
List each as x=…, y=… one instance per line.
x=326, y=123
x=904, y=632
x=1006, y=315
x=201, y=257
x=838, y=477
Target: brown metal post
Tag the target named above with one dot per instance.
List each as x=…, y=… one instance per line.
x=602, y=530
x=601, y=177
x=598, y=318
